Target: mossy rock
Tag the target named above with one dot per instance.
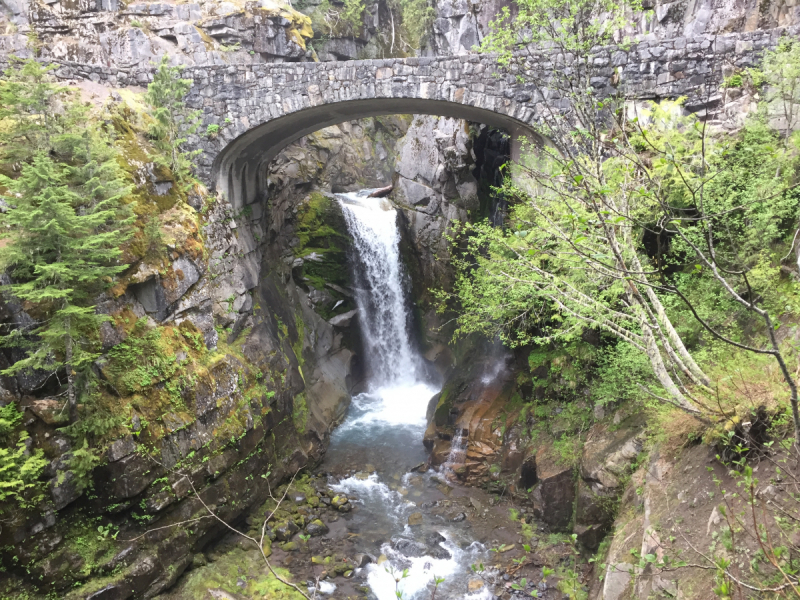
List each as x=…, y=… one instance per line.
x=323, y=244
x=227, y=574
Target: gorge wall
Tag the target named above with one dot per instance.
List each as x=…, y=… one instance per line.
x=247, y=313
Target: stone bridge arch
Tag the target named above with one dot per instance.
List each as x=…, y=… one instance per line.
x=262, y=109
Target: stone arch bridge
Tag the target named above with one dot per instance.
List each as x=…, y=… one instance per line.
x=262, y=108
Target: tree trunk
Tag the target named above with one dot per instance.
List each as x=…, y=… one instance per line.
x=73, y=404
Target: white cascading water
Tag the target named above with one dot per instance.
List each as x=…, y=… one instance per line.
x=458, y=451
x=379, y=294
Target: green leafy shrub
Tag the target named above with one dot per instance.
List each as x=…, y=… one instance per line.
x=734, y=81
x=19, y=468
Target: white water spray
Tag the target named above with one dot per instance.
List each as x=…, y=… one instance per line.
x=458, y=450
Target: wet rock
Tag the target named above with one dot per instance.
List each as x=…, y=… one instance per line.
x=64, y=489
x=590, y=536
x=317, y=528
x=126, y=477
x=415, y=519
x=474, y=585
x=361, y=560
x=159, y=501
x=345, y=507
x=285, y=531
x=435, y=538
x=313, y=501
x=289, y=547
x=381, y=559
x=109, y=592
x=121, y=448
x=338, y=501
x=299, y=498
x=409, y=548
x=459, y=517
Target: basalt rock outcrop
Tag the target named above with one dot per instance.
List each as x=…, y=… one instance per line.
x=230, y=354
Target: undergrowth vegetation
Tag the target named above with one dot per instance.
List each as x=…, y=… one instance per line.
x=649, y=261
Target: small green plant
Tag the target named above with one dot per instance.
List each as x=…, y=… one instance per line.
x=104, y=532
x=81, y=464
x=523, y=583
x=437, y=581
x=19, y=472
x=398, y=576
x=212, y=130
x=734, y=81
x=136, y=23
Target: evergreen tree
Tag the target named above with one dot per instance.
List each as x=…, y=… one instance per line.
x=29, y=100
x=173, y=121
x=64, y=229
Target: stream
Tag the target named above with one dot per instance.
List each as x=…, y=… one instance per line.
x=372, y=453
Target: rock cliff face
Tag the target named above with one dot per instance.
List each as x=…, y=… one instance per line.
x=230, y=355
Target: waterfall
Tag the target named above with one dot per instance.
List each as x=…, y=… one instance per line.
x=458, y=452
x=384, y=427
x=372, y=222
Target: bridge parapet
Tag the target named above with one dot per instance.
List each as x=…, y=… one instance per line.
x=260, y=108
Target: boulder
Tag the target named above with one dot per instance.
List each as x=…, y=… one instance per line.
x=64, y=489
x=50, y=410
x=285, y=531
x=316, y=528
x=415, y=519
x=554, y=495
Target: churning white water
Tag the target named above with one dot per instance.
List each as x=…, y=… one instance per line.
x=385, y=425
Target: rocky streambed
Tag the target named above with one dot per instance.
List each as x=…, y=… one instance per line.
x=376, y=518
x=349, y=533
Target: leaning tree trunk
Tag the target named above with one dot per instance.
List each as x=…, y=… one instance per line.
x=72, y=401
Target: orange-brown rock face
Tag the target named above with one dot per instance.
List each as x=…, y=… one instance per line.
x=468, y=423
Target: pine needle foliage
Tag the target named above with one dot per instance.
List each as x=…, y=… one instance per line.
x=173, y=122
x=64, y=226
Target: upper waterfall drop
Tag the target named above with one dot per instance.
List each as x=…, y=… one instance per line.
x=379, y=291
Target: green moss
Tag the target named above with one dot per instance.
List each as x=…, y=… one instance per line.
x=229, y=571
x=321, y=231
x=443, y=407
x=300, y=412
